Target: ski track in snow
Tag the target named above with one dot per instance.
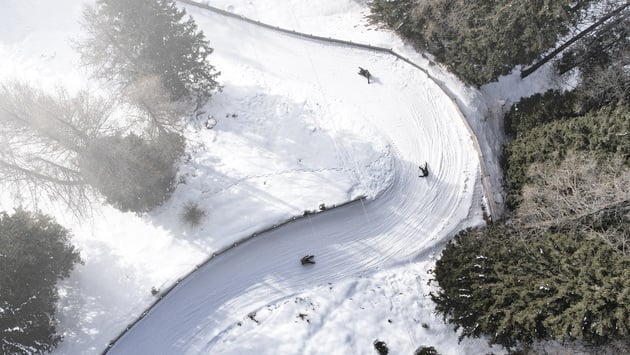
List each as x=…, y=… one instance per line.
x=411, y=216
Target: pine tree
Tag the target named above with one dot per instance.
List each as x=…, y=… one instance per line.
x=130, y=40
x=133, y=174
x=548, y=285
x=35, y=252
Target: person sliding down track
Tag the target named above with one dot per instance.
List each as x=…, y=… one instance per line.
x=365, y=73
x=307, y=259
x=424, y=171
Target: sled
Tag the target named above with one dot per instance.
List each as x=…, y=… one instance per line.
x=307, y=259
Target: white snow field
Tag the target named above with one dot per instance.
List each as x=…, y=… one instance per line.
x=296, y=127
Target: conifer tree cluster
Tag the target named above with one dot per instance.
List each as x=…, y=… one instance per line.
x=480, y=40
x=547, y=285
x=557, y=266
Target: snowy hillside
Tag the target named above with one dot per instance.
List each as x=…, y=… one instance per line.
x=295, y=127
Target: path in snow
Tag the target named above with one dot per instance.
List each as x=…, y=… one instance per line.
x=412, y=215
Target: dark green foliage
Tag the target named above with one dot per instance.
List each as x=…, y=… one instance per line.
x=133, y=174
x=426, y=350
x=480, y=40
x=604, y=132
x=558, y=268
x=35, y=252
x=551, y=286
x=538, y=109
x=130, y=40
x=393, y=13
x=381, y=347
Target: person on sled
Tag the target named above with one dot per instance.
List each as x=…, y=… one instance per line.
x=424, y=171
x=308, y=259
x=365, y=73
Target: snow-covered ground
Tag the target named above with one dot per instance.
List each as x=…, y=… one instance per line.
x=296, y=127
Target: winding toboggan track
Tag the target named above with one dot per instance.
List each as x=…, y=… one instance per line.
x=412, y=215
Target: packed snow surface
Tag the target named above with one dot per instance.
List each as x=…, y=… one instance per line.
x=295, y=127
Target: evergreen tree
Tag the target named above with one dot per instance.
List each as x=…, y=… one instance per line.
x=35, y=252
x=547, y=285
x=480, y=40
x=130, y=40
x=133, y=174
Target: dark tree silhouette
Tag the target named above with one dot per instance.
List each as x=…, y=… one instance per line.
x=35, y=252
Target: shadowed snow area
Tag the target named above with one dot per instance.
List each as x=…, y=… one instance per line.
x=295, y=127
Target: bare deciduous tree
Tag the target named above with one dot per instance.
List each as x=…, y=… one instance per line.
x=40, y=137
x=68, y=146
x=609, y=82
x=575, y=193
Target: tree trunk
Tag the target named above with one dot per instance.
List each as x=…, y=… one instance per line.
x=548, y=57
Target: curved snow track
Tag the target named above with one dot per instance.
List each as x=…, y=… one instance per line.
x=412, y=215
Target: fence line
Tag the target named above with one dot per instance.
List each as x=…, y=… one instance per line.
x=222, y=251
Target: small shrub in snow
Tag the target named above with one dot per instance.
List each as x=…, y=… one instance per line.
x=381, y=347
x=192, y=214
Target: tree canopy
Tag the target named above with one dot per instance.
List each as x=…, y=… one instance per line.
x=35, y=252
x=128, y=41
x=552, y=285
x=480, y=40
x=133, y=174
x=556, y=267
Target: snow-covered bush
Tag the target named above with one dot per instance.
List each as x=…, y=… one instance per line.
x=426, y=350
x=381, y=347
